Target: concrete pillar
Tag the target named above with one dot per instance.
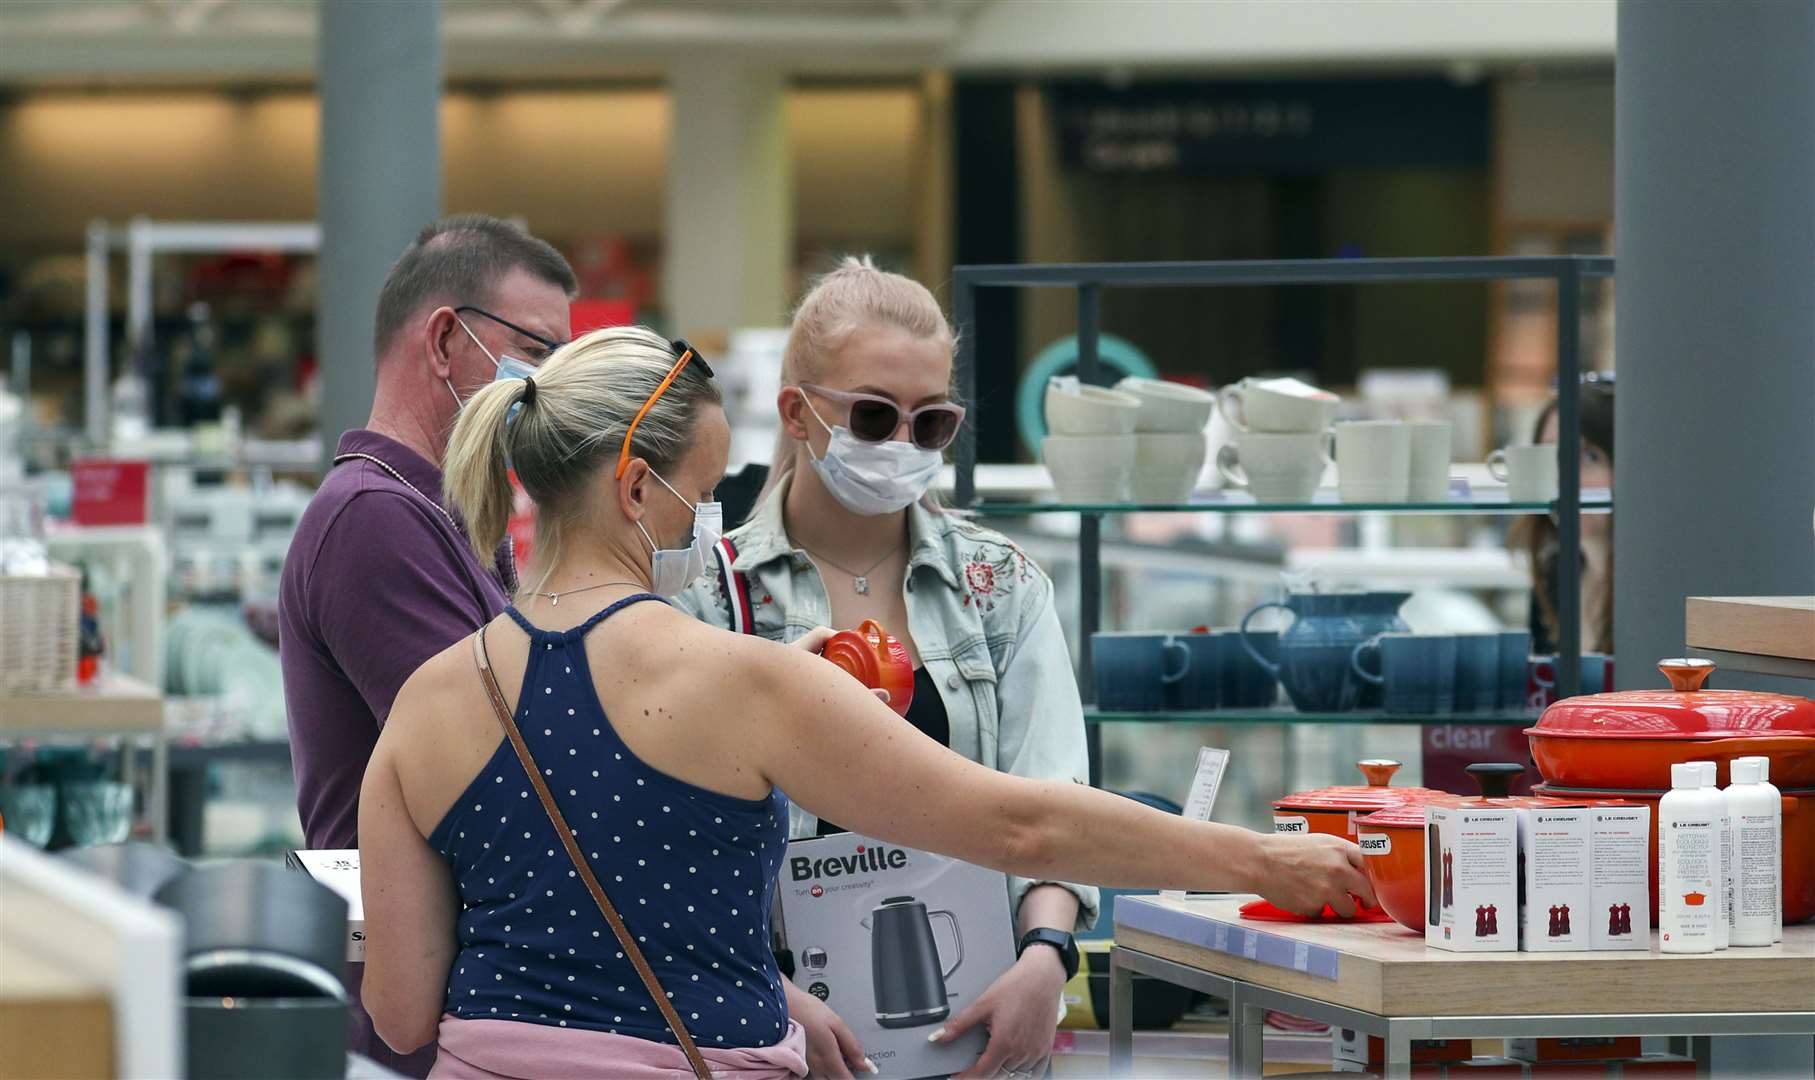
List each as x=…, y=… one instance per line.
x=379, y=78
x=730, y=217
x=1715, y=210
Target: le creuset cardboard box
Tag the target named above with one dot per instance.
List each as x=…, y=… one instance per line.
x=338, y=870
x=1351, y=1050
x=1556, y=859
x=1471, y=878
x=896, y=941
x=1620, y=897
x=1594, y=1048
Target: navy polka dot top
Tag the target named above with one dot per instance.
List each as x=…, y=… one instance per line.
x=691, y=871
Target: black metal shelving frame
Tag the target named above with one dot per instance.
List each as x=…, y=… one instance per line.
x=1569, y=272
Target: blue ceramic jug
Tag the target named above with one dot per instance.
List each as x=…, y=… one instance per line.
x=1314, y=651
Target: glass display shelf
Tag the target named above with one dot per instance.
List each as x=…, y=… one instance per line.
x=1284, y=714
x=1326, y=501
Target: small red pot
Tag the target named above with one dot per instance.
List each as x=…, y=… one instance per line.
x=1333, y=810
x=1628, y=740
x=877, y=660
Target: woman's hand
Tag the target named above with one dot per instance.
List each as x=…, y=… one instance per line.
x=1302, y=873
x=832, y=1051
x=1021, y=1011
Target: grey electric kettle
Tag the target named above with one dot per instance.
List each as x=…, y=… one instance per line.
x=905, y=967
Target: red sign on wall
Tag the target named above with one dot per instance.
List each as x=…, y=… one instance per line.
x=106, y=491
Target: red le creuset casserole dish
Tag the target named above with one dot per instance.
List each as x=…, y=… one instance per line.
x=1628, y=740
x=1333, y=810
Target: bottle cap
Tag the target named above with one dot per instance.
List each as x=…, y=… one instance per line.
x=1686, y=776
x=1764, y=767
x=1745, y=770
x=1710, y=774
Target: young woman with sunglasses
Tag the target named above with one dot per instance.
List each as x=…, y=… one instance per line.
x=846, y=530
x=591, y=750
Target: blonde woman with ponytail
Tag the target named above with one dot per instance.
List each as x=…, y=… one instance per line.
x=848, y=528
x=595, y=748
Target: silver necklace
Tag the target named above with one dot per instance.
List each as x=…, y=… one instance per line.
x=511, y=564
x=554, y=598
x=860, y=583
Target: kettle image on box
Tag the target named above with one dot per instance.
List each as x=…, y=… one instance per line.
x=905, y=967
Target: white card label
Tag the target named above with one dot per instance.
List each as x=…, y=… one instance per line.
x=1202, y=799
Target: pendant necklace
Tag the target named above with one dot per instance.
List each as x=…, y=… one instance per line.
x=554, y=598
x=860, y=583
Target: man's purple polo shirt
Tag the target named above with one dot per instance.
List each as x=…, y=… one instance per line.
x=378, y=580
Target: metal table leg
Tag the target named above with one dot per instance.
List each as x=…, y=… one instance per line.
x=1398, y=1050
x=1701, y=1048
x=1121, y=1014
x=1247, y=1036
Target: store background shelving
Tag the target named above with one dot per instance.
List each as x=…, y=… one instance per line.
x=1088, y=280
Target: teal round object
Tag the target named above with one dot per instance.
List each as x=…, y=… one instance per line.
x=1114, y=354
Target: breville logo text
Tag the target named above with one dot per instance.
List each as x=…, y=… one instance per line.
x=867, y=860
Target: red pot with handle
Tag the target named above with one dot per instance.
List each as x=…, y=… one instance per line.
x=876, y=659
x=1628, y=740
x=1798, y=841
x=1333, y=810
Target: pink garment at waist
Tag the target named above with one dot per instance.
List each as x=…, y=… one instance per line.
x=514, y=1050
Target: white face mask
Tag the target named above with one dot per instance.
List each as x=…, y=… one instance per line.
x=673, y=569
x=508, y=367
x=873, y=478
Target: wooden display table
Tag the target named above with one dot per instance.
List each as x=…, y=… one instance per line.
x=1380, y=979
x=1769, y=635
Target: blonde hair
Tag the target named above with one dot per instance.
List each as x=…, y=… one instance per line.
x=853, y=296
x=586, y=394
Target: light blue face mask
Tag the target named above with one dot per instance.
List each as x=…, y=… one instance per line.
x=508, y=367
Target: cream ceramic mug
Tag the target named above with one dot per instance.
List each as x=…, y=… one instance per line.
x=1275, y=467
x=1279, y=406
x=1529, y=472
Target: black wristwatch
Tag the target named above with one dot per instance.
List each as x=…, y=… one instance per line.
x=1058, y=939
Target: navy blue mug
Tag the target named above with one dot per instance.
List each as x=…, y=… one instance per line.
x=1418, y=671
x=1244, y=683
x=1199, y=688
x=1515, y=651
x=1134, y=670
x=1477, y=672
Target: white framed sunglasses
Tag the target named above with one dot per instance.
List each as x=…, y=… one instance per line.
x=875, y=419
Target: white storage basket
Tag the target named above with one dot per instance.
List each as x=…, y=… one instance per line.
x=40, y=625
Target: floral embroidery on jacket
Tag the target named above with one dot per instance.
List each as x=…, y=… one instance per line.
x=987, y=578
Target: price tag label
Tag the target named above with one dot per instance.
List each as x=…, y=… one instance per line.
x=1250, y=945
x=1301, y=956
x=1221, y=938
x=1211, y=762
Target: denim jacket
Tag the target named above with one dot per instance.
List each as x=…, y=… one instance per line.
x=981, y=616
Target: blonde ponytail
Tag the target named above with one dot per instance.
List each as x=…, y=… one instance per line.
x=475, y=476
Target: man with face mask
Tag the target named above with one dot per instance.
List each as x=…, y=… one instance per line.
x=379, y=576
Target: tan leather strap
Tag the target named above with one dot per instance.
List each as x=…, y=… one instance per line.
x=625, y=939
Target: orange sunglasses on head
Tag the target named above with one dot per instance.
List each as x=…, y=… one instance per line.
x=685, y=352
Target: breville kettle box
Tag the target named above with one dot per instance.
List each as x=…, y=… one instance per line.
x=896, y=941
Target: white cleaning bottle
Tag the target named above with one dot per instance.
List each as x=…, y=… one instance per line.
x=1757, y=817
x=1723, y=884
x=1688, y=862
x=1764, y=781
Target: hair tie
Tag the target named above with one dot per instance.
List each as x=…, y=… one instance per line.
x=529, y=391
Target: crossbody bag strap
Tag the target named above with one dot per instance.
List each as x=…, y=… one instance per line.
x=626, y=940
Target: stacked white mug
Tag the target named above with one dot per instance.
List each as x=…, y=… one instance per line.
x=1280, y=448
x=1392, y=461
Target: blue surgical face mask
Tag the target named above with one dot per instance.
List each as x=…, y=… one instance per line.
x=508, y=367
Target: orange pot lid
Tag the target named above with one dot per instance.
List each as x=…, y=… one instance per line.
x=1686, y=711
x=1375, y=795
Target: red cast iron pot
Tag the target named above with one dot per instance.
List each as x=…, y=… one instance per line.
x=1798, y=842
x=1628, y=740
x=1393, y=841
x=1333, y=810
x=876, y=659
